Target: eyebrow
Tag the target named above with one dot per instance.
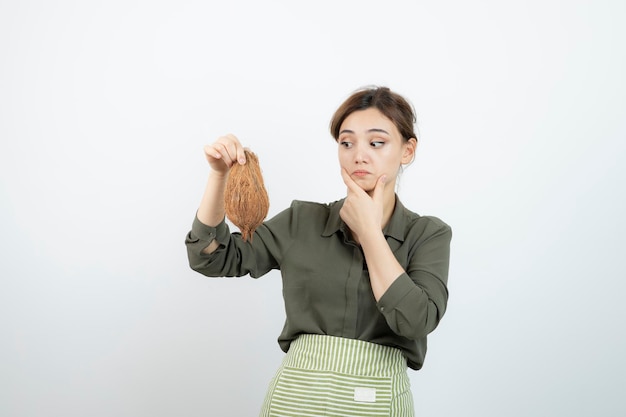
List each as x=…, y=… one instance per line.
x=374, y=130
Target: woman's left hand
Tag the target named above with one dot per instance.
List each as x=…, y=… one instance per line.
x=361, y=212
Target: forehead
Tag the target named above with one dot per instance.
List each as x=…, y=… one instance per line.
x=368, y=119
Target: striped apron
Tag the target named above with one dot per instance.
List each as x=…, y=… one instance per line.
x=334, y=376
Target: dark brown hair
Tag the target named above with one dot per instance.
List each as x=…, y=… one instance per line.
x=395, y=107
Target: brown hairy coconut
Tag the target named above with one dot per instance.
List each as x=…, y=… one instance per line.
x=245, y=198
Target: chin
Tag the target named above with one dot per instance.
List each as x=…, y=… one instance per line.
x=368, y=188
x=366, y=185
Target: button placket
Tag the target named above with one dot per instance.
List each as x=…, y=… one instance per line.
x=352, y=293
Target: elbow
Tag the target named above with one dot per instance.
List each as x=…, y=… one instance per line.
x=202, y=265
x=198, y=267
x=417, y=324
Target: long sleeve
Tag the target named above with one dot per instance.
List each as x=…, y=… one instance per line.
x=234, y=256
x=417, y=300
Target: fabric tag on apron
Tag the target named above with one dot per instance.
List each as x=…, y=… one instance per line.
x=365, y=395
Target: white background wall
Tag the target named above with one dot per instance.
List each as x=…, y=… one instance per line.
x=105, y=107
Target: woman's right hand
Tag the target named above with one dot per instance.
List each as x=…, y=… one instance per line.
x=224, y=153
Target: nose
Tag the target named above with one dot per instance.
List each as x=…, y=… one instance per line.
x=360, y=154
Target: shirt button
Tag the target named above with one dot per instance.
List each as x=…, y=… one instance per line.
x=382, y=309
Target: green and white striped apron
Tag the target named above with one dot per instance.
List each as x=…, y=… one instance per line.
x=335, y=376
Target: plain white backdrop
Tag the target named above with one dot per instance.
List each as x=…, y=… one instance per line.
x=105, y=107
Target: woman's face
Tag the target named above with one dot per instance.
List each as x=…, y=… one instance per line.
x=370, y=145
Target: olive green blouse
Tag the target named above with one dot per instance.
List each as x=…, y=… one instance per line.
x=326, y=287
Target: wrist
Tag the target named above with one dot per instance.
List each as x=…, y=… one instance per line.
x=370, y=234
x=218, y=176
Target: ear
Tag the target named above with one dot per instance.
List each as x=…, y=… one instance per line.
x=409, y=151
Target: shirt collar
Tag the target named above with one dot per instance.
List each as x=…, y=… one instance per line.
x=395, y=228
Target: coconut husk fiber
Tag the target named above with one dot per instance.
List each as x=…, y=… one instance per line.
x=245, y=198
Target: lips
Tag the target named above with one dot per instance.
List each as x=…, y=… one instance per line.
x=360, y=173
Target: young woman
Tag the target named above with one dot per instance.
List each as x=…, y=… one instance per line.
x=364, y=278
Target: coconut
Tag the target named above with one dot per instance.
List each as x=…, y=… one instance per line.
x=245, y=198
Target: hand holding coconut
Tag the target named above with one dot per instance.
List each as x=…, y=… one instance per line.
x=235, y=188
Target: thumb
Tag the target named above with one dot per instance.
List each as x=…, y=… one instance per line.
x=379, y=189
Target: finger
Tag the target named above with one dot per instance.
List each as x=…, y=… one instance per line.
x=210, y=150
x=217, y=151
x=241, y=154
x=379, y=189
x=232, y=146
x=236, y=149
x=352, y=186
x=226, y=154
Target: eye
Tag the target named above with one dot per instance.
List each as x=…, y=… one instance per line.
x=377, y=143
x=345, y=144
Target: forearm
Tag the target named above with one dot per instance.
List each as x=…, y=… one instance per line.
x=415, y=301
x=211, y=211
x=382, y=265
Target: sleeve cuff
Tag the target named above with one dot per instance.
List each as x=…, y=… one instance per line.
x=208, y=233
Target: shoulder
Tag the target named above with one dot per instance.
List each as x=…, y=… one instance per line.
x=309, y=212
x=433, y=222
x=425, y=225
x=313, y=206
x=313, y=216
x=313, y=212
